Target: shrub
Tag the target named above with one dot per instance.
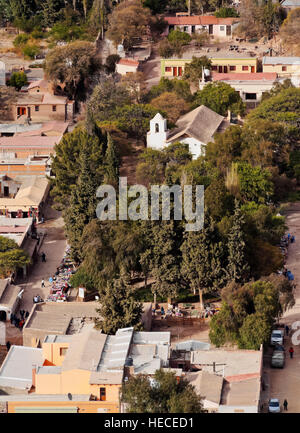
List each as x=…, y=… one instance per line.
x=21, y=39
x=18, y=80
x=30, y=50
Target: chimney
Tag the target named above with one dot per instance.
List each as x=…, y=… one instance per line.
x=33, y=375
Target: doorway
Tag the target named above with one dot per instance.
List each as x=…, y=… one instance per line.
x=21, y=111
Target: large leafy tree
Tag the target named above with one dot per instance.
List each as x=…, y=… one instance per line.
x=220, y=97
x=118, y=308
x=171, y=104
x=73, y=66
x=247, y=314
x=128, y=21
x=11, y=257
x=165, y=395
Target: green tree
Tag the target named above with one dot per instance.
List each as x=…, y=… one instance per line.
x=255, y=184
x=225, y=12
x=11, y=257
x=18, y=80
x=283, y=107
x=134, y=119
x=112, y=163
x=66, y=162
x=166, y=395
x=202, y=259
x=193, y=70
x=105, y=99
x=110, y=63
x=82, y=207
x=118, y=307
x=220, y=97
x=163, y=258
x=237, y=268
x=254, y=332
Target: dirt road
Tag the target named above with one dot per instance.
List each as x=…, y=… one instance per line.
x=286, y=383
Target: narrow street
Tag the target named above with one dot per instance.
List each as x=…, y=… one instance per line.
x=285, y=383
x=53, y=245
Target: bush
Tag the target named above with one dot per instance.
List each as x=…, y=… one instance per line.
x=21, y=39
x=30, y=51
x=18, y=80
x=178, y=36
x=226, y=13
x=38, y=34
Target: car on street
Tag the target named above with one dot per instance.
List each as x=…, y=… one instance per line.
x=277, y=337
x=278, y=358
x=274, y=405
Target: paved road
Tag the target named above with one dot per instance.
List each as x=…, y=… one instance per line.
x=54, y=246
x=286, y=383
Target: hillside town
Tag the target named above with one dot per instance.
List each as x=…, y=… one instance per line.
x=118, y=293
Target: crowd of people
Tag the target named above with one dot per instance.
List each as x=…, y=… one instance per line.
x=18, y=322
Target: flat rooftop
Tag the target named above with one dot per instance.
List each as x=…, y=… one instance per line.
x=233, y=362
x=16, y=370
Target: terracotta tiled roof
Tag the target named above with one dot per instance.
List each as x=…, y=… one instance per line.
x=128, y=62
x=20, y=141
x=200, y=20
x=258, y=76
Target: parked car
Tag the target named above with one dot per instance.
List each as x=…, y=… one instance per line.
x=278, y=359
x=277, y=337
x=274, y=405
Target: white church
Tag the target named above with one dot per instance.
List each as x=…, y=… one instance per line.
x=196, y=128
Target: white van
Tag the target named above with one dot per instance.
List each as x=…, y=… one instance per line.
x=277, y=337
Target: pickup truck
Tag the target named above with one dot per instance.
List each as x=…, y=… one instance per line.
x=277, y=337
x=278, y=359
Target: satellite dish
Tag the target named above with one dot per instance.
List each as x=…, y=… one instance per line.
x=69, y=396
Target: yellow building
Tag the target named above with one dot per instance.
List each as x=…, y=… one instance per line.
x=285, y=67
x=82, y=372
x=175, y=67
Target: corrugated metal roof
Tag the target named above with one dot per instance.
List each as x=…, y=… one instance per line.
x=16, y=370
x=281, y=60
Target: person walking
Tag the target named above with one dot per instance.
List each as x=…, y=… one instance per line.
x=8, y=345
x=285, y=404
x=43, y=257
x=291, y=351
x=287, y=329
x=43, y=283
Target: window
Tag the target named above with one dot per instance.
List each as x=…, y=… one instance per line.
x=214, y=68
x=222, y=28
x=102, y=394
x=250, y=96
x=283, y=68
x=168, y=69
x=185, y=28
x=232, y=68
x=62, y=351
x=156, y=127
x=37, y=108
x=193, y=29
x=53, y=107
x=245, y=68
